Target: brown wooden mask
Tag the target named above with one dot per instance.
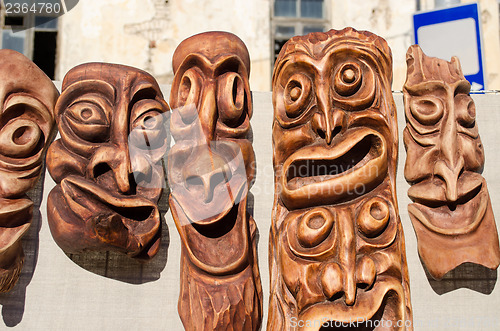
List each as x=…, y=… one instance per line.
x=336, y=243
x=107, y=163
x=451, y=213
x=211, y=167
x=27, y=97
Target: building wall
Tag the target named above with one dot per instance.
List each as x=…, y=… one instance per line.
x=145, y=33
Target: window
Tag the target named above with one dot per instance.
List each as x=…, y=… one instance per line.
x=296, y=17
x=32, y=34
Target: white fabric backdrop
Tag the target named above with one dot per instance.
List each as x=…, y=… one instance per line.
x=58, y=293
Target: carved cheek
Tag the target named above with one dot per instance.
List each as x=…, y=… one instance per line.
x=288, y=140
x=473, y=153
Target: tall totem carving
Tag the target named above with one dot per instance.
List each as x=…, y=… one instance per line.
x=27, y=127
x=211, y=167
x=451, y=214
x=108, y=162
x=337, y=250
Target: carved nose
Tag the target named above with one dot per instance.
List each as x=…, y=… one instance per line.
x=327, y=128
x=205, y=173
x=112, y=159
x=450, y=174
x=336, y=280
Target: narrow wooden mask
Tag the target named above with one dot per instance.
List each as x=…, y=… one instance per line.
x=107, y=164
x=336, y=243
x=211, y=167
x=451, y=214
x=27, y=97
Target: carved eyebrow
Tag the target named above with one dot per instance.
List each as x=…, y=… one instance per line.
x=143, y=90
x=82, y=87
x=424, y=87
x=225, y=64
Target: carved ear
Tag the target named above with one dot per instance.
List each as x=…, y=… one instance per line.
x=414, y=57
x=455, y=64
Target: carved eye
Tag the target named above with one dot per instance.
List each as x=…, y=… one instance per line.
x=348, y=79
x=354, y=85
x=427, y=110
x=466, y=110
x=88, y=121
x=373, y=217
x=147, y=130
x=189, y=95
x=22, y=135
x=231, y=98
x=297, y=95
x=314, y=227
x=19, y=138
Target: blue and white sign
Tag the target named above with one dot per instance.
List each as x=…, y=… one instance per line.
x=453, y=31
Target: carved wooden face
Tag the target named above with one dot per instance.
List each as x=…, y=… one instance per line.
x=444, y=157
x=27, y=98
x=334, y=127
x=212, y=161
x=340, y=249
x=108, y=161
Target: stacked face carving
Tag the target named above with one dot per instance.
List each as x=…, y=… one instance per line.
x=27, y=97
x=211, y=167
x=336, y=245
x=451, y=213
x=107, y=163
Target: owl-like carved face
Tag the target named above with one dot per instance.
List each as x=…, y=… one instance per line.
x=339, y=250
x=212, y=161
x=27, y=99
x=333, y=127
x=445, y=158
x=108, y=161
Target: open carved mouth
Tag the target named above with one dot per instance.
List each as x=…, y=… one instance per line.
x=380, y=308
x=432, y=192
x=325, y=175
x=87, y=199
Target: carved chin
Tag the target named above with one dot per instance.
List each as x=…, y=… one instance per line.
x=380, y=308
x=318, y=175
x=97, y=219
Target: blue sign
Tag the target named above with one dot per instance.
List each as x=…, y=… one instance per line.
x=453, y=31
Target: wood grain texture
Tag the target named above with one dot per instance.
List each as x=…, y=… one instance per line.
x=337, y=250
x=27, y=127
x=211, y=168
x=451, y=214
x=108, y=162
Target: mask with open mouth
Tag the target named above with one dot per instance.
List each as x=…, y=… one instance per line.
x=451, y=213
x=108, y=162
x=336, y=243
x=211, y=167
x=27, y=97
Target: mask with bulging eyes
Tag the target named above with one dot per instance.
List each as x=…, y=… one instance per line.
x=451, y=214
x=108, y=162
x=336, y=242
x=27, y=97
x=210, y=169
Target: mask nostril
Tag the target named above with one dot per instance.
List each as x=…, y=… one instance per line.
x=336, y=131
x=101, y=169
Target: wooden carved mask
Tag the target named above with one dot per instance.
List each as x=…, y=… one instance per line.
x=27, y=97
x=211, y=167
x=107, y=163
x=451, y=213
x=336, y=243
